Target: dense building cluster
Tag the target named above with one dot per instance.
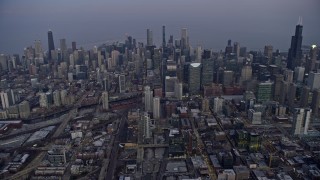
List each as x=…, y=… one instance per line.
x=129, y=110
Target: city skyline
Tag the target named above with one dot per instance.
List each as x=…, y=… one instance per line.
x=211, y=24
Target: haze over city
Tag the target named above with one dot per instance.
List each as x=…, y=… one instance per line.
x=210, y=22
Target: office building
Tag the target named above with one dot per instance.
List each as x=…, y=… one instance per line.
x=292, y=94
x=149, y=37
x=254, y=116
x=156, y=108
x=64, y=50
x=295, y=52
x=50, y=44
x=264, y=92
x=246, y=74
x=122, y=83
x=8, y=98
x=57, y=155
x=184, y=39
x=298, y=75
x=312, y=59
x=315, y=102
x=301, y=121
x=148, y=99
x=194, y=78
x=74, y=46
x=278, y=78
x=227, y=78
x=38, y=49
x=146, y=125
x=288, y=75
x=268, y=51
x=217, y=105
x=3, y=62
x=43, y=101
x=304, y=96
x=207, y=71
x=163, y=36
x=56, y=98
x=24, y=109
x=105, y=100
x=178, y=90
x=314, y=80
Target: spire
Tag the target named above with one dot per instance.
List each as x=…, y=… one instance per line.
x=300, y=21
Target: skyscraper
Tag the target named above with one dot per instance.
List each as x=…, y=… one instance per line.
x=64, y=49
x=148, y=99
x=315, y=102
x=184, y=39
x=50, y=44
x=194, y=78
x=301, y=121
x=163, y=36
x=295, y=52
x=105, y=100
x=149, y=38
x=156, y=107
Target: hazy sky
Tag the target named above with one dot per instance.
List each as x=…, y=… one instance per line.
x=252, y=23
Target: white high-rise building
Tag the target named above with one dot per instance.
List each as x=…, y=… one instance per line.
x=301, y=121
x=217, y=105
x=148, y=97
x=105, y=100
x=156, y=107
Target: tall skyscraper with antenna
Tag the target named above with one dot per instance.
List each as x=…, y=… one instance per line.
x=295, y=52
x=50, y=44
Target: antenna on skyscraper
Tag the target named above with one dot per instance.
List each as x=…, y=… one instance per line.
x=300, y=20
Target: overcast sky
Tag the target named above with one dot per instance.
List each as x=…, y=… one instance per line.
x=252, y=23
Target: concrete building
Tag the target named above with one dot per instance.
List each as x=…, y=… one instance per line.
x=156, y=108
x=217, y=105
x=146, y=125
x=314, y=80
x=43, y=101
x=57, y=155
x=301, y=121
x=254, y=116
x=56, y=98
x=24, y=109
x=122, y=83
x=105, y=100
x=148, y=99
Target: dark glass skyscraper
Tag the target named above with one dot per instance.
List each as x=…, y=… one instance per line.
x=50, y=44
x=295, y=52
x=163, y=36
